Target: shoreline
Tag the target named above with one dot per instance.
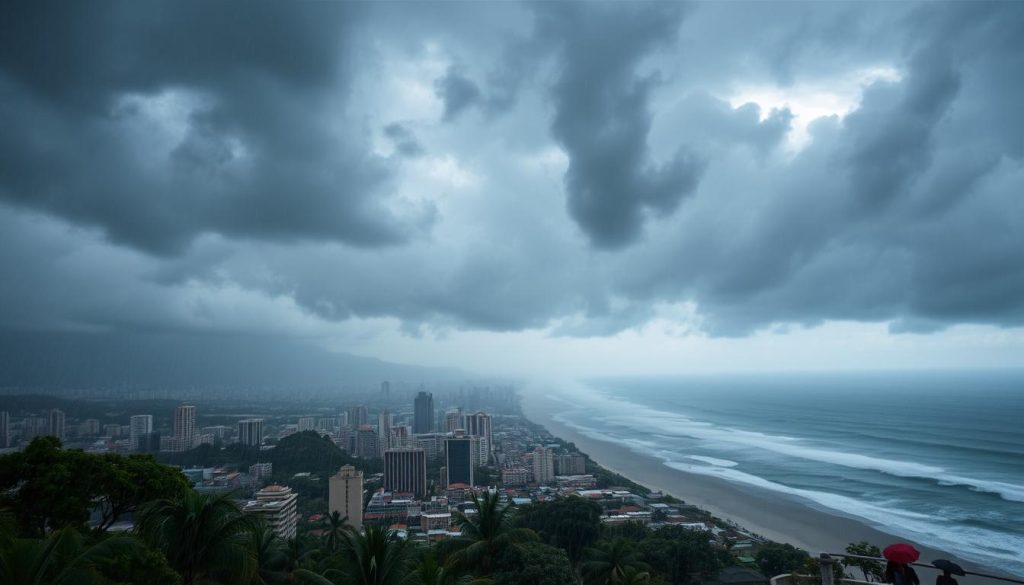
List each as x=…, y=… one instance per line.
x=777, y=517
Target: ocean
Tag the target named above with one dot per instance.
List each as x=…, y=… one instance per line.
x=935, y=458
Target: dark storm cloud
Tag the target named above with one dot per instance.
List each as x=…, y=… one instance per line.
x=907, y=210
x=602, y=116
x=404, y=140
x=261, y=156
x=161, y=123
x=457, y=91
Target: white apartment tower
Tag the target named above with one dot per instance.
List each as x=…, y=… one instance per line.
x=184, y=426
x=250, y=432
x=346, y=495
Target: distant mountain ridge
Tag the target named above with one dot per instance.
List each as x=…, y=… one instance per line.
x=64, y=360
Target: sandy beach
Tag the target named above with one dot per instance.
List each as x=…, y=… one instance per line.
x=784, y=519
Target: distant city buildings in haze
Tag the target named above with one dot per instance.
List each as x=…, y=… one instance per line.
x=5, y=429
x=405, y=471
x=453, y=420
x=345, y=495
x=250, y=432
x=479, y=425
x=367, y=443
x=357, y=417
x=56, y=426
x=307, y=423
x=184, y=428
x=139, y=425
x=423, y=413
x=384, y=430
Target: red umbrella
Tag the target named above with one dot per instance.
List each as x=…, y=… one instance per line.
x=901, y=553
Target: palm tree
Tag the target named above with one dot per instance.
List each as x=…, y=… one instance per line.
x=59, y=559
x=203, y=536
x=270, y=558
x=610, y=562
x=634, y=576
x=487, y=534
x=376, y=557
x=429, y=572
x=334, y=530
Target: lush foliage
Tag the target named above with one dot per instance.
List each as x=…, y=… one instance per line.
x=571, y=523
x=487, y=533
x=49, y=488
x=872, y=570
x=776, y=559
x=533, y=563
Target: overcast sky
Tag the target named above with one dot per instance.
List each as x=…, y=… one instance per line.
x=523, y=187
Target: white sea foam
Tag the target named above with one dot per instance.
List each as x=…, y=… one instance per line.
x=714, y=461
x=637, y=416
x=1000, y=549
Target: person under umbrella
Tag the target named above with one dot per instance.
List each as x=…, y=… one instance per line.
x=947, y=567
x=898, y=570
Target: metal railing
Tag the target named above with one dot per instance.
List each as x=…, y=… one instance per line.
x=827, y=560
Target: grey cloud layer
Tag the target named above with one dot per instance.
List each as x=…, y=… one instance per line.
x=266, y=151
x=907, y=210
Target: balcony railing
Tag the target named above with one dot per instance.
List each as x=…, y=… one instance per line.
x=826, y=560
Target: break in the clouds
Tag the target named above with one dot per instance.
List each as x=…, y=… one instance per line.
x=575, y=168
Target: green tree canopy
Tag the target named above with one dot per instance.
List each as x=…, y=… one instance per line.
x=571, y=523
x=872, y=570
x=533, y=563
x=49, y=488
x=775, y=559
x=679, y=553
x=202, y=536
x=487, y=533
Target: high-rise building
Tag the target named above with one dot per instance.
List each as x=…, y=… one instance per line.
x=572, y=464
x=5, y=429
x=367, y=443
x=149, y=443
x=543, y=465
x=423, y=415
x=385, y=390
x=384, y=430
x=56, y=428
x=250, y=432
x=139, y=425
x=307, y=423
x=345, y=495
x=405, y=470
x=400, y=436
x=184, y=427
x=459, y=460
x=479, y=425
x=357, y=416
x=276, y=504
x=112, y=430
x=89, y=427
x=453, y=421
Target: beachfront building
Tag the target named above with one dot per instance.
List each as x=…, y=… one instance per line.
x=571, y=464
x=543, y=465
x=345, y=495
x=276, y=504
